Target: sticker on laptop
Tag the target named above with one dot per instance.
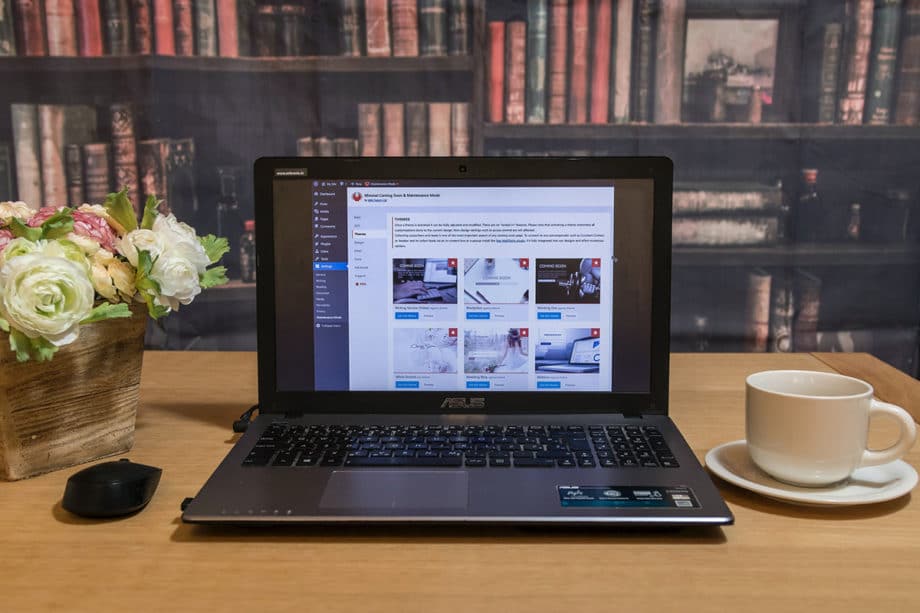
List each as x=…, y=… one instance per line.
x=646, y=497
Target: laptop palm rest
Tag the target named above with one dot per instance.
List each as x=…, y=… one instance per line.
x=396, y=490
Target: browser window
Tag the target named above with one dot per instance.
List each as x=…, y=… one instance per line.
x=446, y=285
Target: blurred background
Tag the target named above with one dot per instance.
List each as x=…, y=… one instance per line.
x=793, y=127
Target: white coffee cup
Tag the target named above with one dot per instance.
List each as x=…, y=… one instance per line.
x=811, y=428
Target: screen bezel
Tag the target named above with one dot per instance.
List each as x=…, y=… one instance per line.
x=271, y=400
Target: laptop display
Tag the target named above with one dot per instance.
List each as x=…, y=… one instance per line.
x=473, y=286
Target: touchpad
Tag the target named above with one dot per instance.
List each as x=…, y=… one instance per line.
x=396, y=490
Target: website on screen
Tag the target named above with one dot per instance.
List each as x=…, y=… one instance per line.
x=496, y=288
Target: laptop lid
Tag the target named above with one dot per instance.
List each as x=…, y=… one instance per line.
x=420, y=285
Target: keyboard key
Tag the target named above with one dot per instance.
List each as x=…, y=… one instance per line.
x=259, y=458
x=333, y=460
x=533, y=463
x=521, y=455
x=649, y=464
x=307, y=460
x=475, y=462
x=585, y=462
x=566, y=462
x=608, y=462
x=554, y=455
x=397, y=461
x=670, y=464
x=503, y=462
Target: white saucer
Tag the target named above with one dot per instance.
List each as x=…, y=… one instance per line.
x=872, y=484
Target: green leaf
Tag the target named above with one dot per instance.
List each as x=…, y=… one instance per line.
x=155, y=311
x=4, y=325
x=43, y=350
x=213, y=277
x=143, y=280
x=119, y=207
x=58, y=225
x=150, y=212
x=39, y=349
x=214, y=246
x=107, y=311
x=146, y=286
x=20, y=345
x=20, y=230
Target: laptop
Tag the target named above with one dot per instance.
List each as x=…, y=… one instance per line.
x=584, y=357
x=372, y=409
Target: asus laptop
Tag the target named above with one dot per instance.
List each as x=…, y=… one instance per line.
x=373, y=409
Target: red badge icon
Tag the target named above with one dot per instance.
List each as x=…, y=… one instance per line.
x=452, y=262
x=595, y=262
x=452, y=332
x=525, y=332
x=524, y=263
x=596, y=332
x=356, y=196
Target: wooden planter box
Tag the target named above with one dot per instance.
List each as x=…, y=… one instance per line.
x=78, y=407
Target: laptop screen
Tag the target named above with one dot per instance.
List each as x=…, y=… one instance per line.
x=450, y=285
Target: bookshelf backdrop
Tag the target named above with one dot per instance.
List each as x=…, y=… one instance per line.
x=794, y=127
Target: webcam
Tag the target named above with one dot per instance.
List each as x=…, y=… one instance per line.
x=462, y=168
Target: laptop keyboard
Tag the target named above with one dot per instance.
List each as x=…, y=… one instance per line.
x=607, y=446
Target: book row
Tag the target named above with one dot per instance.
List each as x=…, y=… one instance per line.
x=784, y=310
x=399, y=129
x=233, y=28
x=613, y=61
x=414, y=129
x=59, y=159
x=121, y=27
x=405, y=28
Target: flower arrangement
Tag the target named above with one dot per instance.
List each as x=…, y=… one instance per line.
x=61, y=268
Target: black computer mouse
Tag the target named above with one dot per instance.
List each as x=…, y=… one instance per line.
x=111, y=489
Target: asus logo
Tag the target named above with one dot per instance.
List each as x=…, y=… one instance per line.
x=463, y=403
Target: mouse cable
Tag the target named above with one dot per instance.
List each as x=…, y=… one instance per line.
x=241, y=424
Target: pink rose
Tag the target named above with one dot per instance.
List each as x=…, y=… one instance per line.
x=5, y=237
x=95, y=228
x=87, y=225
x=42, y=215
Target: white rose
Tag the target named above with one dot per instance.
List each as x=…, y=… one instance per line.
x=140, y=240
x=178, y=279
x=45, y=296
x=18, y=247
x=180, y=240
x=18, y=209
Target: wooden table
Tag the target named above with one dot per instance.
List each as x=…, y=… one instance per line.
x=776, y=557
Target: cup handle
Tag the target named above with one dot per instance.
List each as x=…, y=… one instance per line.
x=905, y=440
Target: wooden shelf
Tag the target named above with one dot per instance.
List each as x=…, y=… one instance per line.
x=730, y=131
x=830, y=254
x=45, y=66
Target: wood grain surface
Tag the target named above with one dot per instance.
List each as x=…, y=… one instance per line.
x=776, y=557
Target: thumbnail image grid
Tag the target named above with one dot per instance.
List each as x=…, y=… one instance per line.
x=425, y=281
x=568, y=350
x=568, y=281
x=496, y=280
x=424, y=350
x=496, y=350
